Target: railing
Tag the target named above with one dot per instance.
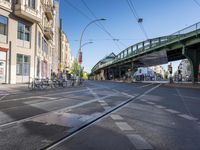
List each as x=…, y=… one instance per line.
x=151, y=44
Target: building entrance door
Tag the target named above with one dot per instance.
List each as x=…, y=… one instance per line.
x=2, y=71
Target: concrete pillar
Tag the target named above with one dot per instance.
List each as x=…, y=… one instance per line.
x=193, y=55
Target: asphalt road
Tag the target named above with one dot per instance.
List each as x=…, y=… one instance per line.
x=101, y=116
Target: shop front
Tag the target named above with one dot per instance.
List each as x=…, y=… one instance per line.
x=3, y=52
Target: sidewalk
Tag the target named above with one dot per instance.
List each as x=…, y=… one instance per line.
x=13, y=88
x=184, y=85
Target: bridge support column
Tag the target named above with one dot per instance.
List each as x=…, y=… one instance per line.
x=193, y=56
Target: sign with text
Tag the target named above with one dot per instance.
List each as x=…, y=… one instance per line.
x=80, y=58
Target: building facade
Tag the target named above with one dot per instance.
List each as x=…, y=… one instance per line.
x=27, y=39
x=66, y=58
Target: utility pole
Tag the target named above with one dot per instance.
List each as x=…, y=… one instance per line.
x=60, y=45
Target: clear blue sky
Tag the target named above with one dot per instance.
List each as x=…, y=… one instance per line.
x=160, y=17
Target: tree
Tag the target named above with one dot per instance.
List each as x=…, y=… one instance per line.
x=76, y=68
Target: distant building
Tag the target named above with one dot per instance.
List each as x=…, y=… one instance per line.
x=65, y=52
x=184, y=71
x=159, y=71
x=144, y=74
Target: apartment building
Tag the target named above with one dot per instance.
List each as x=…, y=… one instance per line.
x=66, y=59
x=27, y=39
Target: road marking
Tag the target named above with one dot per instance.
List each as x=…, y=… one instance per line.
x=115, y=109
x=101, y=101
x=188, y=117
x=53, y=94
x=116, y=117
x=57, y=110
x=159, y=106
x=139, y=142
x=186, y=107
x=132, y=96
x=103, y=104
x=151, y=103
x=148, y=91
x=1, y=98
x=143, y=100
x=172, y=111
x=93, y=93
x=124, y=126
x=146, y=85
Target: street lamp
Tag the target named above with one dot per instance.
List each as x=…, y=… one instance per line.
x=86, y=44
x=79, y=53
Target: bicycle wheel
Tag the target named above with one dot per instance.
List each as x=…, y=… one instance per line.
x=30, y=85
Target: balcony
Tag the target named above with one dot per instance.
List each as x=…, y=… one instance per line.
x=48, y=33
x=27, y=13
x=49, y=11
x=6, y=4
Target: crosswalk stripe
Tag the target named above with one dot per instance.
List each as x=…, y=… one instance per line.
x=139, y=142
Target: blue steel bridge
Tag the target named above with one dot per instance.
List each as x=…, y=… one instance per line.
x=179, y=45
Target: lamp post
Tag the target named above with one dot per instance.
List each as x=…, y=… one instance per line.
x=79, y=52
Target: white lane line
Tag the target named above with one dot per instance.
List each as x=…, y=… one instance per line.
x=101, y=101
x=172, y=111
x=148, y=91
x=57, y=110
x=139, y=142
x=93, y=93
x=124, y=126
x=190, y=97
x=151, y=103
x=3, y=97
x=146, y=85
x=188, y=117
x=53, y=94
x=103, y=104
x=63, y=140
x=143, y=100
x=116, y=117
x=159, y=106
x=126, y=94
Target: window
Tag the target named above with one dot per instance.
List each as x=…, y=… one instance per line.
x=23, y=32
x=23, y=65
x=31, y=4
x=3, y=25
x=39, y=39
x=44, y=45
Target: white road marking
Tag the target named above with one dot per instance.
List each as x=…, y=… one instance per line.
x=124, y=126
x=146, y=85
x=103, y=104
x=151, y=103
x=172, y=111
x=148, y=91
x=159, y=106
x=1, y=98
x=116, y=117
x=188, y=117
x=143, y=100
x=101, y=101
x=139, y=142
x=93, y=93
x=132, y=96
x=57, y=110
x=47, y=95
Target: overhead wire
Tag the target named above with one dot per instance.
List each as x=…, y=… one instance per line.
x=134, y=12
x=86, y=16
x=197, y=2
x=109, y=34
